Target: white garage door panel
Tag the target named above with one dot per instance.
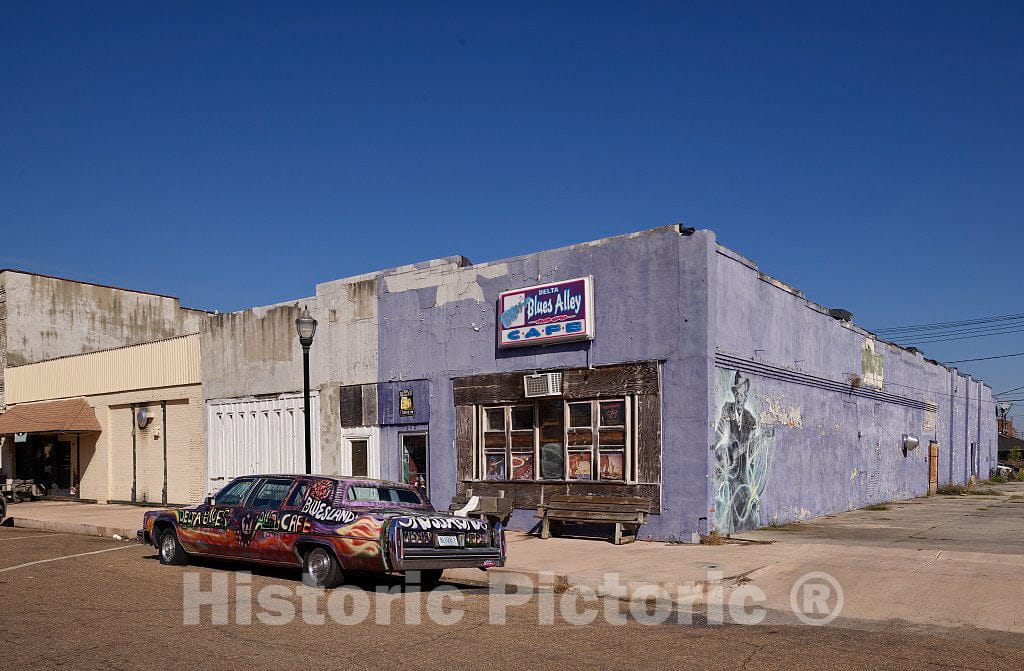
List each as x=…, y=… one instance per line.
x=250, y=436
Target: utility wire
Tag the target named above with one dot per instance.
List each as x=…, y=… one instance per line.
x=967, y=337
x=1009, y=390
x=987, y=358
x=939, y=325
x=959, y=330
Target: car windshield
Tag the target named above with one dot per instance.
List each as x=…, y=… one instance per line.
x=384, y=494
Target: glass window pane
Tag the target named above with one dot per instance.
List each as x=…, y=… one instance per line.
x=494, y=465
x=414, y=459
x=612, y=465
x=615, y=437
x=233, y=493
x=522, y=439
x=580, y=437
x=271, y=494
x=359, y=458
x=522, y=466
x=581, y=466
x=494, y=440
x=495, y=418
x=552, y=461
x=579, y=414
x=522, y=417
x=552, y=436
x=613, y=413
x=298, y=495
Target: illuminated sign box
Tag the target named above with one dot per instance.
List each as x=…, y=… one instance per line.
x=547, y=313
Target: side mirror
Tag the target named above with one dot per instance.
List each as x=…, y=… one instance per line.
x=208, y=501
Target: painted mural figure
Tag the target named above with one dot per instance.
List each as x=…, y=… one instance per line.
x=741, y=456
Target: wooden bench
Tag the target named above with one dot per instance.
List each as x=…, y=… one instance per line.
x=492, y=508
x=627, y=513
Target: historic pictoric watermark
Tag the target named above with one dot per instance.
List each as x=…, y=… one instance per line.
x=221, y=598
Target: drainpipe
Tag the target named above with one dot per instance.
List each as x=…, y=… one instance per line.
x=163, y=415
x=133, y=453
x=952, y=419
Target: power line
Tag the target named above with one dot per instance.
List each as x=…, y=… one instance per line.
x=1009, y=390
x=959, y=330
x=987, y=358
x=966, y=337
x=939, y=325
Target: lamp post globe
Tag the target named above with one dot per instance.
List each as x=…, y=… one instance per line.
x=305, y=326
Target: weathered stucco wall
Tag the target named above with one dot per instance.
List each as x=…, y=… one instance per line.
x=811, y=411
x=437, y=321
x=48, y=318
x=256, y=351
x=348, y=345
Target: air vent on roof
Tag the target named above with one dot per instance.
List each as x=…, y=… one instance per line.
x=841, y=314
x=542, y=384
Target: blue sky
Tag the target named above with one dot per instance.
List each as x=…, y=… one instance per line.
x=235, y=154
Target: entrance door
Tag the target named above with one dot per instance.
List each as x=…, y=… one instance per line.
x=62, y=466
x=414, y=460
x=933, y=467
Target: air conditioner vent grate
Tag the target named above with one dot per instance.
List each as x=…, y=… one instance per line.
x=542, y=384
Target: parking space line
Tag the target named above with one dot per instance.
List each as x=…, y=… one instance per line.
x=80, y=554
x=18, y=538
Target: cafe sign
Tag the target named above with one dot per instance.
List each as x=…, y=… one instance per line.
x=547, y=313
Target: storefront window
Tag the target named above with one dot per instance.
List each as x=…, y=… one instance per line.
x=532, y=441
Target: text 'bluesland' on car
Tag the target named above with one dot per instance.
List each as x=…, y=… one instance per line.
x=328, y=526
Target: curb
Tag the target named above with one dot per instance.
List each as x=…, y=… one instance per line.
x=544, y=581
x=72, y=528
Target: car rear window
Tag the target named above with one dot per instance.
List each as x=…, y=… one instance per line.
x=385, y=494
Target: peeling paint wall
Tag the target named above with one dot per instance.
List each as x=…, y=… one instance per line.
x=347, y=342
x=437, y=321
x=44, y=318
x=256, y=352
x=837, y=420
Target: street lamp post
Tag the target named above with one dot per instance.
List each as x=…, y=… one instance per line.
x=305, y=325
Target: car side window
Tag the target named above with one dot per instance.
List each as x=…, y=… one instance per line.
x=271, y=493
x=233, y=493
x=298, y=495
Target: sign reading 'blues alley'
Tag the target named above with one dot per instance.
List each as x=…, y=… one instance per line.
x=546, y=313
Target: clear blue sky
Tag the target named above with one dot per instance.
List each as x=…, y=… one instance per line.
x=234, y=155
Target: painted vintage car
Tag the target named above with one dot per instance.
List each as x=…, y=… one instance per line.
x=328, y=526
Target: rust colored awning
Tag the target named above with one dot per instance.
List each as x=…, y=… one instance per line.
x=72, y=415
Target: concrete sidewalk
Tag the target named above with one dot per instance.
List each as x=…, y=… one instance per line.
x=72, y=517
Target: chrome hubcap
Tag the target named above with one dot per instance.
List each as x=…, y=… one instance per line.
x=167, y=547
x=319, y=565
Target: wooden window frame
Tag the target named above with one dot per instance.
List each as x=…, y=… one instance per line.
x=629, y=448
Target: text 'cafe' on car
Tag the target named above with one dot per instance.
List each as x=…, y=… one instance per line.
x=657, y=364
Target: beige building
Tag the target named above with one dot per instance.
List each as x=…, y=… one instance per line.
x=123, y=424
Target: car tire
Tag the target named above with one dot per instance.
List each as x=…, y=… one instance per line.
x=320, y=568
x=170, y=550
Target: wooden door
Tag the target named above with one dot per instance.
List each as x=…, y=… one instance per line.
x=933, y=467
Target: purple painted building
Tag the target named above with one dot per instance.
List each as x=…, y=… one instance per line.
x=656, y=364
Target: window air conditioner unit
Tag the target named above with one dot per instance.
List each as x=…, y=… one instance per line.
x=542, y=384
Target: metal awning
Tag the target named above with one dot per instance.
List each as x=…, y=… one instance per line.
x=71, y=415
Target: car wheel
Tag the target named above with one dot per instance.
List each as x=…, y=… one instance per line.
x=170, y=549
x=321, y=569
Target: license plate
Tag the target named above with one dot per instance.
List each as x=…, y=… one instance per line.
x=448, y=541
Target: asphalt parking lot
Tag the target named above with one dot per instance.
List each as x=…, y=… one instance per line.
x=81, y=602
